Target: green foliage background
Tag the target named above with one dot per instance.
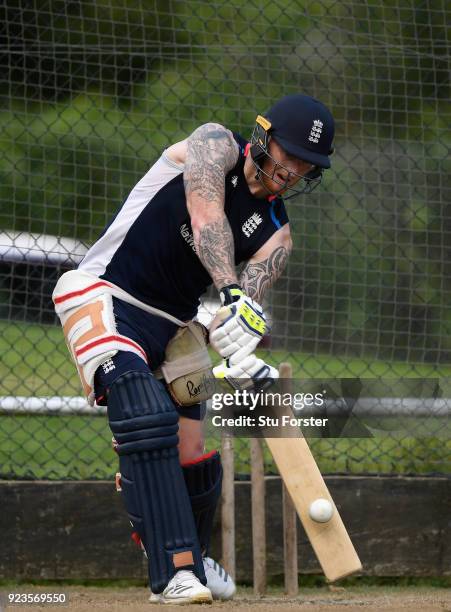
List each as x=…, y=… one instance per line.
x=93, y=91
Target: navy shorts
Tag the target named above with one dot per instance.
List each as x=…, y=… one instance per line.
x=152, y=333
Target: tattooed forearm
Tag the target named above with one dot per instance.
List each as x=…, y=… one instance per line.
x=211, y=153
x=215, y=248
x=256, y=278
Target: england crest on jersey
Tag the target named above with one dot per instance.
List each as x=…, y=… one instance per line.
x=251, y=224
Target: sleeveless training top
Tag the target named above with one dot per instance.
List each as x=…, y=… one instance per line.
x=148, y=248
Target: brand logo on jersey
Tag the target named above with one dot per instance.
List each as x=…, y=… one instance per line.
x=234, y=180
x=187, y=236
x=108, y=366
x=251, y=224
x=316, y=130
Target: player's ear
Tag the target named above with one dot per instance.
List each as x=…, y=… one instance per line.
x=314, y=173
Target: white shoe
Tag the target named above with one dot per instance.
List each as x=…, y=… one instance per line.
x=219, y=582
x=183, y=588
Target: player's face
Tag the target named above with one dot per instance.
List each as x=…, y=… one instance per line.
x=283, y=169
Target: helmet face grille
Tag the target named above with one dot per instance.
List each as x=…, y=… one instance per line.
x=259, y=152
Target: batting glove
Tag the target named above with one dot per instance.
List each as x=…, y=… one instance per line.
x=250, y=373
x=243, y=325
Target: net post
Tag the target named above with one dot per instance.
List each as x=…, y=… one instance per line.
x=258, y=516
x=228, y=504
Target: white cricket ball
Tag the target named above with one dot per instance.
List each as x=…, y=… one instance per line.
x=321, y=510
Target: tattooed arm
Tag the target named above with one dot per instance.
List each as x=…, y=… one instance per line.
x=266, y=265
x=211, y=153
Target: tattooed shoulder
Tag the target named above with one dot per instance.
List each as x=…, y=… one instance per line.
x=257, y=277
x=211, y=153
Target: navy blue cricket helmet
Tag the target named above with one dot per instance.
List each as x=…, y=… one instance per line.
x=304, y=127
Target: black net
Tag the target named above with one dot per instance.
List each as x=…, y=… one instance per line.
x=93, y=91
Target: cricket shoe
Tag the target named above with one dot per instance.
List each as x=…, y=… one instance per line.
x=183, y=588
x=219, y=582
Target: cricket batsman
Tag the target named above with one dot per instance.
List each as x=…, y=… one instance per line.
x=209, y=203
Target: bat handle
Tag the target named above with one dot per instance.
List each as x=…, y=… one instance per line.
x=221, y=315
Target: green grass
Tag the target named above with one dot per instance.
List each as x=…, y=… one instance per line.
x=79, y=447
x=326, y=366
x=405, y=456
x=56, y=447
x=35, y=361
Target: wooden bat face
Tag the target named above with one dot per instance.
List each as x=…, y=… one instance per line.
x=305, y=484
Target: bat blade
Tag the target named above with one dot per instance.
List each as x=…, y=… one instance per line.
x=304, y=482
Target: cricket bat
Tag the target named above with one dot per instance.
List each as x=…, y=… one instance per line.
x=305, y=484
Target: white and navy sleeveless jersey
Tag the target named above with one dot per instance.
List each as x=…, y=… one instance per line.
x=148, y=248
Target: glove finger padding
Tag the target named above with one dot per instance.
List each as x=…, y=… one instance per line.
x=244, y=351
x=251, y=373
